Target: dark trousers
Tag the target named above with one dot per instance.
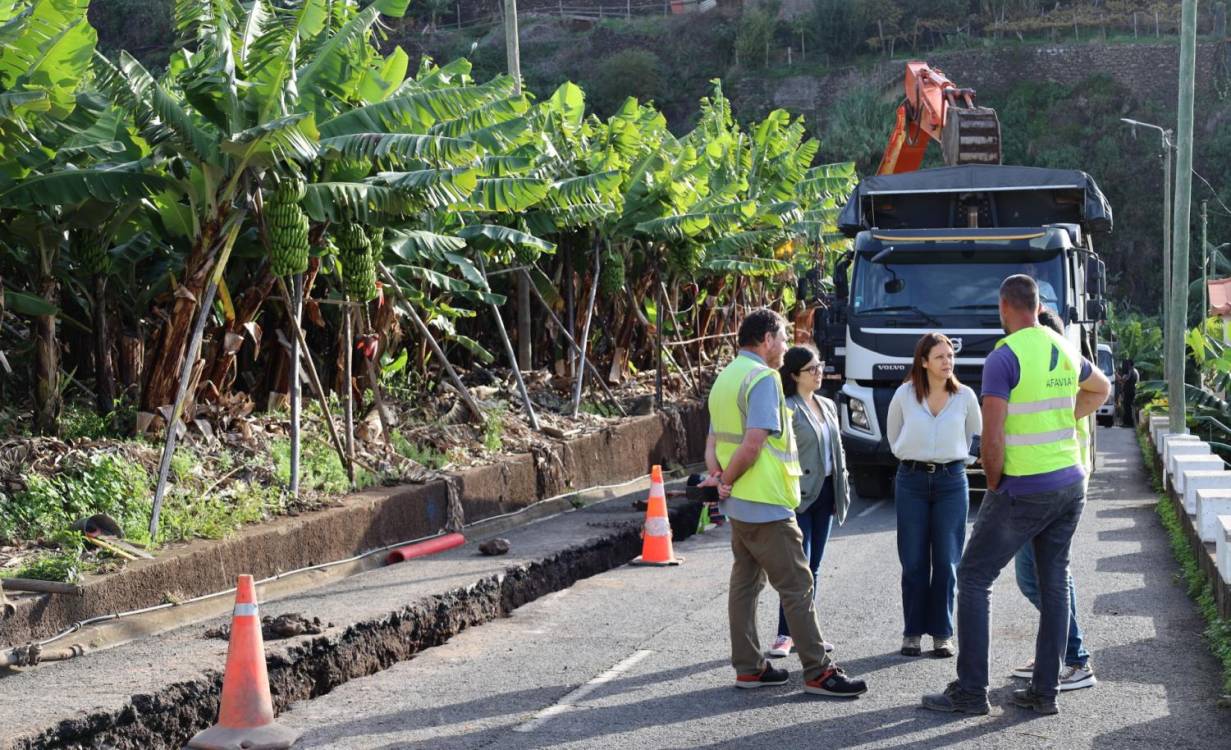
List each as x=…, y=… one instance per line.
x=932, y=510
x=1046, y=521
x=815, y=523
x=1126, y=405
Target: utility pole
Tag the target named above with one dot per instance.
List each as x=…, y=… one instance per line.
x=1183, y=212
x=513, y=49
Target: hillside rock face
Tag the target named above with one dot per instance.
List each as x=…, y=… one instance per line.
x=1149, y=70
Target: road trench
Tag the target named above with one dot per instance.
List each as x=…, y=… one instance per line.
x=313, y=666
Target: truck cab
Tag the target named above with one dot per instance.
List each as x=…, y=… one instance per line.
x=1106, y=414
x=929, y=252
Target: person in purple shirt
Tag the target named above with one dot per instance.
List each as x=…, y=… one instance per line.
x=1040, y=508
x=1077, y=672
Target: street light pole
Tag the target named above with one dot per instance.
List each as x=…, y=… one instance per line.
x=1166, y=144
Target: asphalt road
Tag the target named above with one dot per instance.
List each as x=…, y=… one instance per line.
x=638, y=657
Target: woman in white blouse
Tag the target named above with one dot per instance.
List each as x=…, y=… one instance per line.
x=932, y=421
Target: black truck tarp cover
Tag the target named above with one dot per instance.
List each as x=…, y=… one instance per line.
x=1006, y=195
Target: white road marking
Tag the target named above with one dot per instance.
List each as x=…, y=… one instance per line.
x=871, y=508
x=570, y=701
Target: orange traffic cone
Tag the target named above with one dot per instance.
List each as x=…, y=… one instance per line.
x=656, y=536
x=246, y=719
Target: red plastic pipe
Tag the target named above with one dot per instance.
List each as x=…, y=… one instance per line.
x=426, y=547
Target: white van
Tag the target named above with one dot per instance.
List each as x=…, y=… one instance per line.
x=1106, y=414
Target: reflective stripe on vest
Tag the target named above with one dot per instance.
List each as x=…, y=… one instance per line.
x=1041, y=433
x=773, y=477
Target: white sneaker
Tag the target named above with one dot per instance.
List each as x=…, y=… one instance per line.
x=1076, y=678
x=781, y=647
x=1025, y=671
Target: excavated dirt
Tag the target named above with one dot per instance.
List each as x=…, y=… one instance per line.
x=168, y=718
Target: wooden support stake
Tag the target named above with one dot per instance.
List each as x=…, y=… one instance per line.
x=585, y=331
x=508, y=345
x=310, y=366
x=576, y=349
x=382, y=409
x=348, y=379
x=296, y=391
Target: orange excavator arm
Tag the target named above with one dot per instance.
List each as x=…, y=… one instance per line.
x=935, y=109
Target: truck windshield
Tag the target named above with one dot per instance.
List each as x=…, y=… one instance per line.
x=927, y=285
x=1105, y=363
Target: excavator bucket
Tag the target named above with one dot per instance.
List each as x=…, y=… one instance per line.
x=971, y=136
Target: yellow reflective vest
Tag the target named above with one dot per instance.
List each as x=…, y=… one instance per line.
x=774, y=477
x=1041, y=433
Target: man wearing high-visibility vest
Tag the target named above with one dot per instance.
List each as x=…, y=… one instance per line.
x=1035, y=388
x=752, y=459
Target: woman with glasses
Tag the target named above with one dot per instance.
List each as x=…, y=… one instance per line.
x=823, y=486
x=932, y=422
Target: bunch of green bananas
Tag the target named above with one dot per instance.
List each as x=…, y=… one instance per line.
x=611, y=276
x=90, y=250
x=358, y=261
x=288, y=228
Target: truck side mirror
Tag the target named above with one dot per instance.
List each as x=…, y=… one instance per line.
x=841, y=284
x=1096, y=278
x=1096, y=310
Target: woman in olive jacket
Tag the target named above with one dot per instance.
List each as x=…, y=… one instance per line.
x=823, y=493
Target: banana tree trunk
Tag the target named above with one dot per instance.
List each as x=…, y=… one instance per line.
x=162, y=379
x=46, y=355
x=104, y=373
x=247, y=306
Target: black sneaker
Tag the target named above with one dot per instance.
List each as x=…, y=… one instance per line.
x=1027, y=698
x=835, y=684
x=957, y=701
x=768, y=677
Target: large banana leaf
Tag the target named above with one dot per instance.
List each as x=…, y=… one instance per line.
x=418, y=245
x=287, y=138
x=489, y=236
x=68, y=187
x=159, y=116
x=48, y=48
x=417, y=112
x=507, y=194
x=273, y=56
x=329, y=68
x=353, y=201
x=435, y=188
x=402, y=149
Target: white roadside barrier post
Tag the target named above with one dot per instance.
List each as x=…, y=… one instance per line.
x=1223, y=548
x=1190, y=456
x=1164, y=445
x=1202, y=479
x=1212, y=504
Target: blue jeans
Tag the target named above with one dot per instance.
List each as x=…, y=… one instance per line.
x=815, y=523
x=932, y=511
x=1075, y=654
x=1045, y=520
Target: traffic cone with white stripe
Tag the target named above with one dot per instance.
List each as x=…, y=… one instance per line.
x=246, y=718
x=656, y=535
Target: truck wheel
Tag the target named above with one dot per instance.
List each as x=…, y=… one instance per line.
x=874, y=484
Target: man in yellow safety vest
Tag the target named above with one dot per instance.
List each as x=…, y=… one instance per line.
x=1035, y=389
x=752, y=459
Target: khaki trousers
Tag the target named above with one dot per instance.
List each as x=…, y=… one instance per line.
x=772, y=551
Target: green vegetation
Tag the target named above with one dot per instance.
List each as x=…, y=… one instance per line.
x=1199, y=587
x=425, y=455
